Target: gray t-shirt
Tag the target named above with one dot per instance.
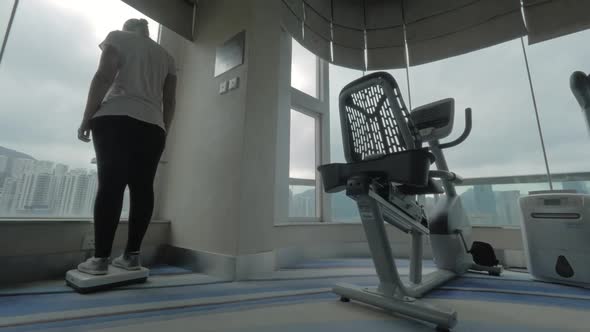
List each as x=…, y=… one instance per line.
x=137, y=89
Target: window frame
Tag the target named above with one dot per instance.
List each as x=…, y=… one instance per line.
x=319, y=109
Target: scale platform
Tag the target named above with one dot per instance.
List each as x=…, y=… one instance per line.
x=87, y=283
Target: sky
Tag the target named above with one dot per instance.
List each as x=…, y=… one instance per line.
x=51, y=56
x=493, y=82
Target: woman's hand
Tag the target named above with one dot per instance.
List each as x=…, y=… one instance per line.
x=84, y=131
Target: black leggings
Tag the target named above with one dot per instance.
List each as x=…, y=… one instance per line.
x=127, y=154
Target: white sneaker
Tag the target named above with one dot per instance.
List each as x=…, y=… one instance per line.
x=95, y=266
x=127, y=261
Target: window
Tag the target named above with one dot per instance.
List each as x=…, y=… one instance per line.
x=562, y=121
x=302, y=167
x=504, y=140
x=51, y=55
x=308, y=115
x=304, y=70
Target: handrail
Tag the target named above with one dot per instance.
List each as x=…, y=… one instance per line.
x=530, y=178
x=464, y=135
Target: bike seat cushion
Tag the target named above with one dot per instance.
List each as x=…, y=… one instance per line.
x=407, y=168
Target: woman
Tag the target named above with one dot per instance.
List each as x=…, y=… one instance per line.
x=129, y=109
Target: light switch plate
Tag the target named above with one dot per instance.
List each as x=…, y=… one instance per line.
x=222, y=87
x=234, y=83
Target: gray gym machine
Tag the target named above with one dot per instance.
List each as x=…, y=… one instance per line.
x=387, y=168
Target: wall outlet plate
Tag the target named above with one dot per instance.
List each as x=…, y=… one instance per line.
x=234, y=83
x=222, y=87
x=88, y=242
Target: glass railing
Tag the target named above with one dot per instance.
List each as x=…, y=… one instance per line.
x=488, y=202
x=494, y=201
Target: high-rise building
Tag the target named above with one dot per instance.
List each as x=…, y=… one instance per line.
x=8, y=199
x=22, y=166
x=91, y=193
x=39, y=198
x=508, y=210
x=44, y=166
x=3, y=164
x=485, y=204
x=26, y=182
x=74, y=193
x=303, y=204
x=60, y=170
x=3, y=170
x=579, y=186
x=34, y=195
x=56, y=193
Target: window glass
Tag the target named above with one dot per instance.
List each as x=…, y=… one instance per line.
x=563, y=122
x=302, y=166
x=302, y=152
x=49, y=62
x=504, y=140
x=304, y=70
x=493, y=82
x=302, y=201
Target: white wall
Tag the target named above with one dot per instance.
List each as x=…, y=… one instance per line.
x=258, y=191
x=201, y=181
x=44, y=237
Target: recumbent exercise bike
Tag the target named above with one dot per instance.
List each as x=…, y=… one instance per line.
x=387, y=168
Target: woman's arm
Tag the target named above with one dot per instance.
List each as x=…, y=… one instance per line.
x=102, y=81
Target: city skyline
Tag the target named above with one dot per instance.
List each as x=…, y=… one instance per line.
x=43, y=188
x=483, y=205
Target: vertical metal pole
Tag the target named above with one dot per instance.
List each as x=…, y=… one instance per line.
x=7, y=33
x=407, y=58
x=526, y=61
x=416, y=258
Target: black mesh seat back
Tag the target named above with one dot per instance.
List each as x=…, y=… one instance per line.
x=374, y=119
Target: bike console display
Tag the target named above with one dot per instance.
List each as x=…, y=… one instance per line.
x=435, y=120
